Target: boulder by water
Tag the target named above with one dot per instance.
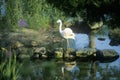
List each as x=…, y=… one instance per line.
x=114, y=35
x=82, y=55
x=26, y=47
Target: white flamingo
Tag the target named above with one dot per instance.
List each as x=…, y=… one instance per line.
x=67, y=33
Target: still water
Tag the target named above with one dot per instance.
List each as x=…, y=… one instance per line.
x=51, y=70
x=97, y=70
x=100, y=71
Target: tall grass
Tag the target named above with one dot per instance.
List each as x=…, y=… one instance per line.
x=9, y=69
x=37, y=13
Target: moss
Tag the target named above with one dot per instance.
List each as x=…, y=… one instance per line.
x=114, y=35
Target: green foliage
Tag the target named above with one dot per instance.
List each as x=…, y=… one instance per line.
x=91, y=10
x=49, y=70
x=13, y=13
x=44, y=13
x=40, y=70
x=9, y=69
x=36, y=13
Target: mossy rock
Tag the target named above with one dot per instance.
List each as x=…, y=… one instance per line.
x=114, y=35
x=106, y=55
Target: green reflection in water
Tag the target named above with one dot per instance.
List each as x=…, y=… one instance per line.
x=51, y=70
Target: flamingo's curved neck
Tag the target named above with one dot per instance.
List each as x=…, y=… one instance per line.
x=60, y=27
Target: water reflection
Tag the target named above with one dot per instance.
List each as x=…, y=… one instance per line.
x=87, y=71
x=70, y=71
x=93, y=73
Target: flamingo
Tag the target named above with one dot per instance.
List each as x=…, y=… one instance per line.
x=67, y=33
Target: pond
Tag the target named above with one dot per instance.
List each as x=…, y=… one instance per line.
x=52, y=70
x=103, y=71
x=100, y=71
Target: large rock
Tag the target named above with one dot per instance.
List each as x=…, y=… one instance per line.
x=83, y=55
x=106, y=55
x=114, y=35
x=96, y=25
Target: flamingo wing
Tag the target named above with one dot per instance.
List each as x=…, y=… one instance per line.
x=68, y=33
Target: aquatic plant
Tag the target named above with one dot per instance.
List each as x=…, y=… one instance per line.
x=9, y=69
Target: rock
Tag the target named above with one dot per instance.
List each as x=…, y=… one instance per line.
x=95, y=25
x=114, y=42
x=24, y=56
x=90, y=54
x=59, y=52
x=34, y=43
x=39, y=53
x=40, y=50
x=106, y=55
x=101, y=38
x=85, y=52
x=82, y=55
x=35, y=56
x=114, y=35
x=17, y=44
x=69, y=55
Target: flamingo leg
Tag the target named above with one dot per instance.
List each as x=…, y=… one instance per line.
x=67, y=44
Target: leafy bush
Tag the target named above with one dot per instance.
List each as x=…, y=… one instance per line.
x=36, y=13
